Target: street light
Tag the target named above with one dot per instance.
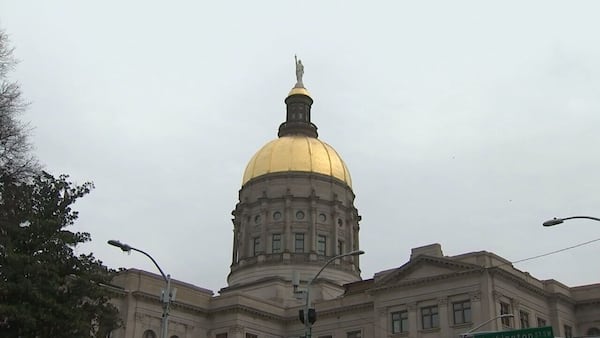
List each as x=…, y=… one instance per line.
x=484, y=323
x=166, y=294
x=307, y=324
x=556, y=221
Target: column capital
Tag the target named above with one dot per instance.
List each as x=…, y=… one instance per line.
x=475, y=296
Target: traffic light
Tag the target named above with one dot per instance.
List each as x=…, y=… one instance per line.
x=312, y=316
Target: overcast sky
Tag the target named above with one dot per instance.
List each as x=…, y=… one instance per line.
x=462, y=123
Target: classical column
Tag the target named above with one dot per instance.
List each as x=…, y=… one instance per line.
x=476, y=315
x=263, y=231
x=236, y=331
x=515, y=305
x=313, y=224
x=413, y=319
x=288, y=236
x=444, y=317
x=381, y=329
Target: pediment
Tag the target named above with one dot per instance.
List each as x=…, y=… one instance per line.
x=423, y=269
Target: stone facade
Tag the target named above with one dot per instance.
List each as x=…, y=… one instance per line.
x=439, y=296
x=295, y=212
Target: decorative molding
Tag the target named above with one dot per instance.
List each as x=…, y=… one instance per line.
x=236, y=329
x=475, y=297
x=346, y=309
x=443, y=301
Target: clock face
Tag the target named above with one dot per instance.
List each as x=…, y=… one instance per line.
x=277, y=215
x=299, y=214
x=322, y=217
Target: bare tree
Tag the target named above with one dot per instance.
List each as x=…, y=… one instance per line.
x=16, y=159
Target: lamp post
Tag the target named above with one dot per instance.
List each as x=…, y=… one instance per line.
x=166, y=294
x=307, y=324
x=484, y=323
x=556, y=221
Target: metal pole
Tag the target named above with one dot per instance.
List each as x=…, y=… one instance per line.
x=487, y=321
x=307, y=324
x=166, y=299
x=166, y=294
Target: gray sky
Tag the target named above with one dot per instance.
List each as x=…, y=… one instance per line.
x=462, y=123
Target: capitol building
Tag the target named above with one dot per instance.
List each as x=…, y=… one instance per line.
x=296, y=214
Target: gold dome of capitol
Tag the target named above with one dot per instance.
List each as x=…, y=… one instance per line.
x=298, y=148
x=297, y=153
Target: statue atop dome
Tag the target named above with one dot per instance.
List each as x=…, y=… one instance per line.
x=299, y=72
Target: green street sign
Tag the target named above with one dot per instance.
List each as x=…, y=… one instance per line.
x=536, y=332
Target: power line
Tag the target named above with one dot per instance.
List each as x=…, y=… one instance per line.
x=556, y=251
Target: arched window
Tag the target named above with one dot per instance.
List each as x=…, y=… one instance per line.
x=149, y=334
x=593, y=331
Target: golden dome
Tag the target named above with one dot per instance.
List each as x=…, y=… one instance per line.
x=297, y=153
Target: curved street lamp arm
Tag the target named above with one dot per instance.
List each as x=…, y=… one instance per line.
x=128, y=248
x=556, y=220
x=153, y=261
x=351, y=253
x=487, y=321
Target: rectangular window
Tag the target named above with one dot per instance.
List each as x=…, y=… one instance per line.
x=524, y=316
x=299, y=242
x=462, y=312
x=429, y=317
x=340, y=247
x=504, y=310
x=256, y=246
x=328, y=336
x=568, y=331
x=354, y=334
x=221, y=335
x=251, y=335
x=541, y=322
x=399, y=321
x=276, y=243
x=321, y=245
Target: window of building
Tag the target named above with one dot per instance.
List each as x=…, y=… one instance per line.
x=399, y=321
x=251, y=335
x=505, y=310
x=321, y=245
x=541, y=322
x=149, y=334
x=524, y=316
x=354, y=334
x=429, y=317
x=256, y=246
x=568, y=331
x=462, y=312
x=593, y=331
x=174, y=336
x=221, y=335
x=276, y=243
x=340, y=247
x=299, y=242
x=327, y=336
